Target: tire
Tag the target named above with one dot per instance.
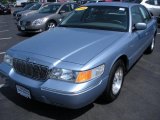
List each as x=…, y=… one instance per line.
x=150, y=48
x=50, y=24
x=112, y=91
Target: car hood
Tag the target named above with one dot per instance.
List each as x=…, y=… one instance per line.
x=35, y=16
x=75, y=45
x=19, y=10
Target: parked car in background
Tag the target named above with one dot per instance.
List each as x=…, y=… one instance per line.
x=84, y=58
x=4, y=10
x=26, y=3
x=30, y=11
x=47, y=17
x=18, y=2
x=23, y=9
x=153, y=6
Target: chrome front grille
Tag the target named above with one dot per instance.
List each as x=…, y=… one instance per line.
x=31, y=70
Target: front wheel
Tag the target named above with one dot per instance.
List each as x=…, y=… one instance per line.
x=50, y=24
x=115, y=82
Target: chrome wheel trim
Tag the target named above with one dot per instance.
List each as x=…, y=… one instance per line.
x=153, y=43
x=117, y=81
x=51, y=25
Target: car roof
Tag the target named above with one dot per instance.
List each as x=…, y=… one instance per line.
x=118, y=4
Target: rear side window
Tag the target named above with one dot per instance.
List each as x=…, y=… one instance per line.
x=146, y=16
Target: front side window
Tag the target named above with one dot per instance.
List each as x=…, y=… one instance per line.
x=136, y=15
x=49, y=9
x=146, y=16
x=99, y=17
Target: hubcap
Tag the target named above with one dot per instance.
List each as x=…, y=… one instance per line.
x=51, y=25
x=152, y=45
x=117, y=80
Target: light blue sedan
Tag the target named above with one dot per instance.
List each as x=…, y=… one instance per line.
x=84, y=58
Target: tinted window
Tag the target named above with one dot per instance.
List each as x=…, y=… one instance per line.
x=136, y=15
x=99, y=17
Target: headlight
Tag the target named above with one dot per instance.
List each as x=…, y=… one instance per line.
x=8, y=59
x=39, y=21
x=78, y=77
x=62, y=74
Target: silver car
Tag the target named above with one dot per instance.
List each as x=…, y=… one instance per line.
x=30, y=11
x=47, y=17
x=153, y=6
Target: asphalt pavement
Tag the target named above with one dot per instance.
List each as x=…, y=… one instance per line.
x=138, y=100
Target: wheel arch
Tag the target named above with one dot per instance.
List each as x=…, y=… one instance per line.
x=52, y=20
x=125, y=59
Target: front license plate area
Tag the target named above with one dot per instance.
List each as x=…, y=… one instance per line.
x=23, y=91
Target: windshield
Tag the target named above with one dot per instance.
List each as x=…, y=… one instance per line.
x=28, y=6
x=49, y=9
x=99, y=17
x=35, y=6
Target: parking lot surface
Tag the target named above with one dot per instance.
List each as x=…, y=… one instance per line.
x=139, y=98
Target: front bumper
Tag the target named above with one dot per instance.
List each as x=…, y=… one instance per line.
x=56, y=92
x=31, y=28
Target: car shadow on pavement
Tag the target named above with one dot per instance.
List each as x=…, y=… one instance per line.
x=22, y=34
x=43, y=109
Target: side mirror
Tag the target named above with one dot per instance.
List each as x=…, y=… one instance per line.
x=62, y=11
x=140, y=26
